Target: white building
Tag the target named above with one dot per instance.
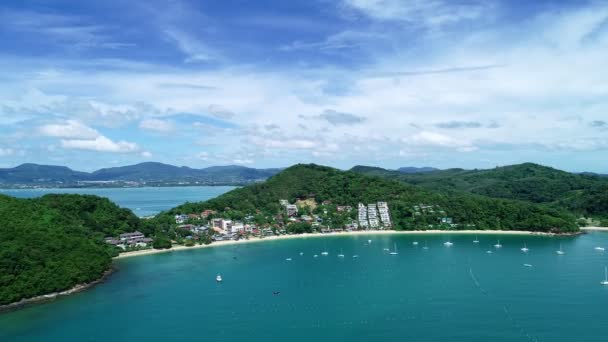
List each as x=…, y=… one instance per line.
x=372, y=216
x=238, y=227
x=363, y=216
x=292, y=210
x=385, y=217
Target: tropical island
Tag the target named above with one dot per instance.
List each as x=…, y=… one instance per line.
x=58, y=242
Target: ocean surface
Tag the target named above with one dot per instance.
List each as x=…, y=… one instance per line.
x=144, y=201
x=457, y=293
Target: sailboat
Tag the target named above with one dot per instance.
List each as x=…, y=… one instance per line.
x=315, y=256
x=601, y=249
x=476, y=239
x=425, y=245
x=560, y=251
x=415, y=243
x=218, y=278
x=448, y=244
x=524, y=248
x=369, y=241
x=341, y=255
x=489, y=251
x=498, y=245
x=394, y=252
x=605, y=282
x=325, y=251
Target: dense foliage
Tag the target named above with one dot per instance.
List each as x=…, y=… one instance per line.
x=52, y=243
x=582, y=194
x=350, y=188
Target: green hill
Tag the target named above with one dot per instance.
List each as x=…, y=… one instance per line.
x=55, y=242
x=582, y=194
x=350, y=188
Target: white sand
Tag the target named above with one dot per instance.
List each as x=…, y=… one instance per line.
x=316, y=235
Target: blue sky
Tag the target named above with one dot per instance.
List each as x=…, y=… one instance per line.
x=392, y=83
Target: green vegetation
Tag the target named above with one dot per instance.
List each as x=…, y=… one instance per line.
x=349, y=188
x=55, y=242
x=581, y=194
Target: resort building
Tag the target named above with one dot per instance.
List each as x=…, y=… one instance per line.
x=363, y=216
x=292, y=210
x=385, y=217
x=372, y=216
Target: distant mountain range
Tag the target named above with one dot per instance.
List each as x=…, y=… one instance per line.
x=149, y=173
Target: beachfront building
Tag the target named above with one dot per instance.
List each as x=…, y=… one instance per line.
x=363, y=216
x=238, y=227
x=385, y=217
x=292, y=210
x=222, y=224
x=372, y=216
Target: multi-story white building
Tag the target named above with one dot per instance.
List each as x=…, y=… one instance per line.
x=363, y=216
x=372, y=216
x=292, y=210
x=385, y=217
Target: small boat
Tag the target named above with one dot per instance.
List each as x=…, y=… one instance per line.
x=560, y=251
x=386, y=249
x=355, y=256
x=489, y=251
x=476, y=240
x=287, y=259
x=425, y=246
x=498, y=245
x=524, y=248
x=341, y=255
x=605, y=282
x=394, y=252
x=369, y=241
x=415, y=243
x=218, y=278
x=301, y=253
x=324, y=253
x=527, y=265
x=601, y=249
x=448, y=244
x=315, y=256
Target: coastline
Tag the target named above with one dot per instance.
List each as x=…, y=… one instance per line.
x=597, y=229
x=178, y=248
x=52, y=296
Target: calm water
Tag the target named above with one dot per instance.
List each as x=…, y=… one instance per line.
x=440, y=294
x=142, y=201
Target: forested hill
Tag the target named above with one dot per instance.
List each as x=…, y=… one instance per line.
x=582, y=194
x=55, y=242
x=349, y=188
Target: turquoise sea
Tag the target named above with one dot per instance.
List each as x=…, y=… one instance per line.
x=143, y=201
x=457, y=293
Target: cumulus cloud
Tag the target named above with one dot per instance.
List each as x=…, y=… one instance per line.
x=157, y=125
x=69, y=129
x=100, y=144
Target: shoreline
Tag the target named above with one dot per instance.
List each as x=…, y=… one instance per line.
x=595, y=229
x=178, y=248
x=55, y=295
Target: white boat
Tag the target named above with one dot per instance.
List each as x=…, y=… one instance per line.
x=527, y=265
x=476, y=239
x=605, y=282
x=599, y=249
x=448, y=244
x=386, y=249
x=341, y=255
x=560, y=251
x=498, y=245
x=489, y=251
x=315, y=256
x=355, y=256
x=415, y=243
x=218, y=278
x=287, y=259
x=524, y=248
x=425, y=246
x=369, y=241
x=394, y=252
x=301, y=253
x=324, y=253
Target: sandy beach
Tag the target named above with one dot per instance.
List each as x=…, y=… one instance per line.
x=599, y=229
x=318, y=235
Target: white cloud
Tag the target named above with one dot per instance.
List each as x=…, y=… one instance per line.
x=194, y=49
x=242, y=161
x=146, y=154
x=4, y=152
x=157, y=125
x=69, y=129
x=101, y=144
